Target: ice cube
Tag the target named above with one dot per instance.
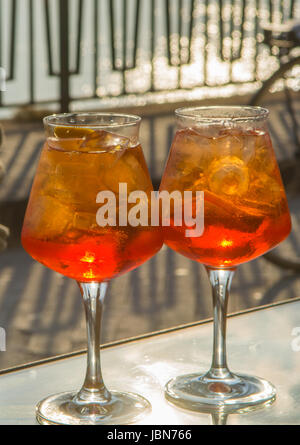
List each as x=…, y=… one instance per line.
x=210, y=131
x=229, y=143
x=189, y=160
x=248, y=152
x=74, y=177
x=47, y=218
x=265, y=189
x=191, y=155
x=71, y=183
x=105, y=141
x=129, y=170
x=264, y=160
x=192, y=144
x=235, y=142
x=85, y=221
x=229, y=176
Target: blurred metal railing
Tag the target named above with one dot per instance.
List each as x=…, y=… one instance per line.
x=62, y=51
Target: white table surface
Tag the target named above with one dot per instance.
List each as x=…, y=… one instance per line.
x=262, y=343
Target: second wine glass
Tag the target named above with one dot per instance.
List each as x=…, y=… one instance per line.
x=225, y=152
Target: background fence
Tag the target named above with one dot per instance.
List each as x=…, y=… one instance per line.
x=92, y=53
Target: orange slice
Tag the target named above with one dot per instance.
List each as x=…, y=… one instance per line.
x=72, y=132
x=69, y=138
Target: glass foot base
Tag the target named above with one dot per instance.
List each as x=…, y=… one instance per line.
x=204, y=394
x=61, y=409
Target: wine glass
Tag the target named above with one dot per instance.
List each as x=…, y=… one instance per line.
x=76, y=224
x=225, y=152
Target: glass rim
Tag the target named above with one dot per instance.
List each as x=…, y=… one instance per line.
x=218, y=114
x=57, y=120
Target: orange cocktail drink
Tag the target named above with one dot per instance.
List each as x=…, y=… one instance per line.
x=60, y=228
x=245, y=208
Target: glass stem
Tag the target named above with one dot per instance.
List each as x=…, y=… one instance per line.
x=219, y=418
x=220, y=280
x=93, y=389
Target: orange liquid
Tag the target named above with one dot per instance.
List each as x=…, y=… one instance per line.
x=60, y=228
x=245, y=208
